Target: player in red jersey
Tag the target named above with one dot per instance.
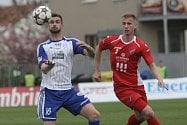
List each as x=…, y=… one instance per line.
x=125, y=53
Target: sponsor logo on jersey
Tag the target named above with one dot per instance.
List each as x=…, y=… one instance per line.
x=117, y=49
x=59, y=55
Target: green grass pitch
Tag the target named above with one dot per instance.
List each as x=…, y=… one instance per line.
x=169, y=112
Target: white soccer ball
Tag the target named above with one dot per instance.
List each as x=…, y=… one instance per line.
x=41, y=15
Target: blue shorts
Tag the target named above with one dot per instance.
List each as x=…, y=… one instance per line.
x=50, y=101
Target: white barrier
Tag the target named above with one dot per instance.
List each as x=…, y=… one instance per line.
x=19, y=96
x=177, y=88
x=98, y=92
x=103, y=92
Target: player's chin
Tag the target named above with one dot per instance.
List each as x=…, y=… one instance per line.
x=127, y=34
x=55, y=30
x=126, y=31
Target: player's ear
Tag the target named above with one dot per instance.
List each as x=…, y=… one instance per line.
x=62, y=25
x=135, y=24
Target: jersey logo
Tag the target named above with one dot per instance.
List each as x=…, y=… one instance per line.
x=122, y=54
x=59, y=55
x=132, y=51
x=58, y=44
x=117, y=49
x=80, y=94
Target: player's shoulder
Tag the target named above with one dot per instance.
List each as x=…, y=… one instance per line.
x=44, y=43
x=69, y=39
x=112, y=37
x=140, y=41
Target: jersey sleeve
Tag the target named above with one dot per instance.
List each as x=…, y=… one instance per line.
x=146, y=53
x=41, y=55
x=76, y=48
x=105, y=43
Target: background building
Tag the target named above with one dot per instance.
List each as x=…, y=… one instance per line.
x=161, y=25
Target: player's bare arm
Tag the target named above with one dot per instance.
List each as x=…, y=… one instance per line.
x=88, y=50
x=157, y=75
x=97, y=73
x=47, y=66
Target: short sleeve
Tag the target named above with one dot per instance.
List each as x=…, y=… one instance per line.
x=105, y=43
x=76, y=48
x=146, y=53
x=41, y=55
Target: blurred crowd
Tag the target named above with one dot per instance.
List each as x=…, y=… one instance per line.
x=19, y=37
x=19, y=34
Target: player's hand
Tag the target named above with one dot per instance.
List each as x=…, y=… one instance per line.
x=47, y=66
x=88, y=50
x=162, y=84
x=96, y=77
x=50, y=63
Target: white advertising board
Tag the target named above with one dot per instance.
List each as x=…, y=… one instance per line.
x=98, y=92
x=103, y=92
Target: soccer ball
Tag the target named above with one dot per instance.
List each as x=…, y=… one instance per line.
x=41, y=15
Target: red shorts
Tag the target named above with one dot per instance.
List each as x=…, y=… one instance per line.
x=134, y=98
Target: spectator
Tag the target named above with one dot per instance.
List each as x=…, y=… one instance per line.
x=146, y=74
x=106, y=76
x=162, y=69
x=29, y=79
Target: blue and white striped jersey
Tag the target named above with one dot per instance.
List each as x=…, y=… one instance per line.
x=61, y=52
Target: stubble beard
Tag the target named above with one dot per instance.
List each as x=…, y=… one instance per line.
x=55, y=31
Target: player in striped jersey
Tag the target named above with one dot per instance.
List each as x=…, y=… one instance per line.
x=126, y=51
x=55, y=61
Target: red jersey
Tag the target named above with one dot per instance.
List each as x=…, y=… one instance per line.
x=124, y=59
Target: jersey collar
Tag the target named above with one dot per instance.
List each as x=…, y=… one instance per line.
x=132, y=40
x=63, y=38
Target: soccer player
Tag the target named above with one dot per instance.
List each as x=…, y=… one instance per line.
x=55, y=61
x=125, y=53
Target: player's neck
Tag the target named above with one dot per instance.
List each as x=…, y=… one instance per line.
x=56, y=37
x=127, y=38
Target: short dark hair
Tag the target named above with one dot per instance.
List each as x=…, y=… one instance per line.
x=57, y=15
